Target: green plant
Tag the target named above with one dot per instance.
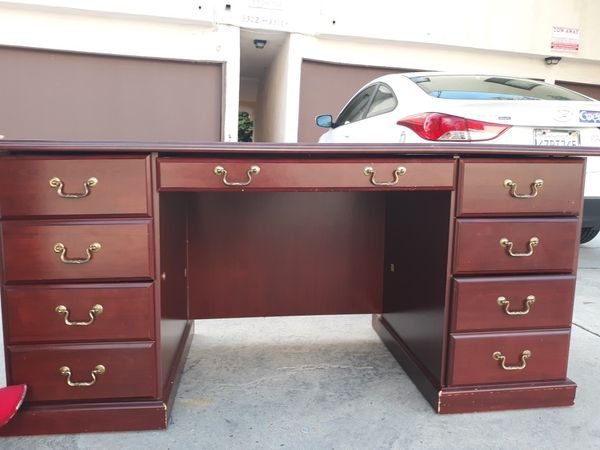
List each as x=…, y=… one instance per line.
x=245, y=127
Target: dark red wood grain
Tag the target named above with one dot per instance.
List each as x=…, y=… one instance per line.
x=122, y=185
x=310, y=235
x=471, y=359
x=289, y=149
x=126, y=253
x=270, y=254
x=31, y=317
x=173, y=280
x=130, y=370
x=87, y=418
x=483, y=192
x=473, y=398
x=416, y=273
x=475, y=303
x=183, y=174
x=478, y=250
x=502, y=397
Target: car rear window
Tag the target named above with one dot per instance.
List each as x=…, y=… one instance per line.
x=465, y=87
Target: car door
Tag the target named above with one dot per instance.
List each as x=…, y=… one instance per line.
x=345, y=127
x=379, y=124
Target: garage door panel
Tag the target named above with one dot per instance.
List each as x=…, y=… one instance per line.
x=341, y=81
x=73, y=96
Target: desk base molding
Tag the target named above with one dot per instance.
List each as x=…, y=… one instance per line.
x=87, y=418
x=420, y=376
x=505, y=397
x=106, y=416
x=450, y=400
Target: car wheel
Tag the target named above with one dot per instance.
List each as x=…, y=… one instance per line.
x=587, y=234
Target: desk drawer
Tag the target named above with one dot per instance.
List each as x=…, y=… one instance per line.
x=129, y=370
x=483, y=245
x=472, y=358
x=533, y=302
x=197, y=175
x=96, y=312
x=122, y=186
x=483, y=190
x=31, y=252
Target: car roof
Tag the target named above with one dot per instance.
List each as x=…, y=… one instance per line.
x=433, y=74
x=394, y=78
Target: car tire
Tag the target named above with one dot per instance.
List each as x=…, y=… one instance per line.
x=588, y=233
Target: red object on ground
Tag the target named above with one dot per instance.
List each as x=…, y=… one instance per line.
x=11, y=398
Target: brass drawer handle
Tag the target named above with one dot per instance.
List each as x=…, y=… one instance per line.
x=66, y=371
x=253, y=170
x=530, y=300
x=56, y=183
x=524, y=357
x=59, y=247
x=398, y=172
x=512, y=186
x=533, y=242
x=94, y=312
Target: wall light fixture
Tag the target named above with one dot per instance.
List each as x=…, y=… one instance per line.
x=549, y=60
x=261, y=43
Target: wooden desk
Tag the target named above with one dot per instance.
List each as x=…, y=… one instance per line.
x=466, y=258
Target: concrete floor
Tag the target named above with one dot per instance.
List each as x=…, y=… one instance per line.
x=329, y=383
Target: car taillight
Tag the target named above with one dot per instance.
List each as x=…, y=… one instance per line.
x=444, y=127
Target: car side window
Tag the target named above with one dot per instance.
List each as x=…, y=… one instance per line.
x=384, y=101
x=357, y=108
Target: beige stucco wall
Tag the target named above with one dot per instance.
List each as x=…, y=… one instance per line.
x=271, y=101
x=521, y=26
x=511, y=37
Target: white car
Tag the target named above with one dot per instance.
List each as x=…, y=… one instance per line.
x=425, y=107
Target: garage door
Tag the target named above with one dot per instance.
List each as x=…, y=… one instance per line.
x=591, y=90
x=72, y=96
x=325, y=88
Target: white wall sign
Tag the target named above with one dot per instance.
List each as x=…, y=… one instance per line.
x=565, y=39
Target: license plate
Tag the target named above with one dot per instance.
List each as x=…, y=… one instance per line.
x=559, y=138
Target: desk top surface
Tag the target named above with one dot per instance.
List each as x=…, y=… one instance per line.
x=289, y=149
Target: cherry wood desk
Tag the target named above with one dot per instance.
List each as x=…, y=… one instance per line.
x=465, y=256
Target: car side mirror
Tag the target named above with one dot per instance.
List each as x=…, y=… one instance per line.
x=324, y=121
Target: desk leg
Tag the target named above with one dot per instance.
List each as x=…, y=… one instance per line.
x=152, y=414
x=448, y=400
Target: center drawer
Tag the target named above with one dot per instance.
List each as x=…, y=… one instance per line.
x=231, y=174
x=81, y=250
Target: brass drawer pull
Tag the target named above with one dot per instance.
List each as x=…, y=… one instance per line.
x=398, y=172
x=512, y=186
x=56, y=183
x=59, y=247
x=94, y=312
x=524, y=357
x=253, y=170
x=66, y=371
x=530, y=300
x=533, y=241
